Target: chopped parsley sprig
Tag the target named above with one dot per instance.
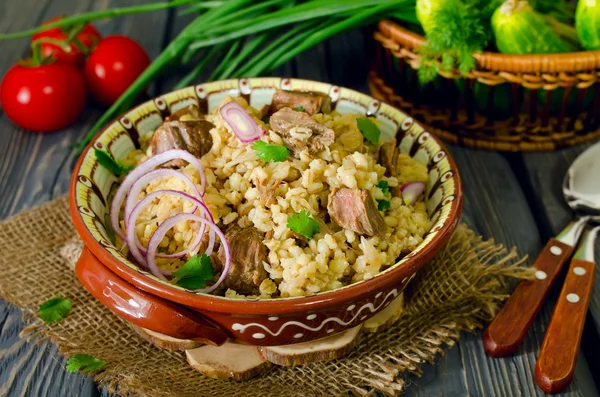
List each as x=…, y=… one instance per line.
x=304, y=224
x=84, y=363
x=383, y=205
x=55, y=309
x=384, y=186
x=195, y=272
x=369, y=130
x=269, y=152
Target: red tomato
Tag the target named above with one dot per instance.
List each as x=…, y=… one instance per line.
x=43, y=98
x=88, y=36
x=111, y=68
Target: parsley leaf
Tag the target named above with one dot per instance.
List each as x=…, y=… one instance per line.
x=267, y=152
x=384, y=186
x=383, y=205
x=299, y=109
x=304, y=224
x=106, y=160
x=55, y=309
x=369, y=130
x=84, y=363
x=195, y=272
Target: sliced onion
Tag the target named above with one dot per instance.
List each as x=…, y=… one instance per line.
x=411, y=191
x=136, y=188
x=140, y=170
x=164, y=227
x=135, y=246
x=243, y=126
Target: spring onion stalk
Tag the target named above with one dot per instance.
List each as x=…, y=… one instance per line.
x=331, y=30
x=273, y=46
x=93, y=16
x=172, y=51
x=195, y=72
x=249, y=48
x=238, y=15
x=303, y=12
x=200, y=7
x=279, y=30
x=262, y=64
x=232, y=50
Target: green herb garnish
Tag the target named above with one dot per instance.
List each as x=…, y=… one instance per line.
x=303, y=224
x=84, y=363
x=268, y=152
x=106, y=160
x=384, y=186
x=195, y=272
x=55, y=309
x=369, y=130
x=299, y=109
x=383, y=205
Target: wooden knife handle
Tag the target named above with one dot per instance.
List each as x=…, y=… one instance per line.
x=555, y=366
x=506, y=332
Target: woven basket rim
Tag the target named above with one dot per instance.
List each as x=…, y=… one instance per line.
x=568, y=62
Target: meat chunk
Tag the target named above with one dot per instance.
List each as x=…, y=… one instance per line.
x=247, y=255
x=191, y=112
x=299, y=131
x=192, y=136
x=354, y=209
x=310, y=102
x=266, y=192
x=388, y=157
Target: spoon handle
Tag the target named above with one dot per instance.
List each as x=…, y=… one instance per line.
x=555, y=365
x=506, y=332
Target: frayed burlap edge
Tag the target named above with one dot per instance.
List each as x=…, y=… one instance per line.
x=460, y=290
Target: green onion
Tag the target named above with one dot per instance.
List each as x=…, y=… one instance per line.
x=248, y=49
x=93, y=16
x=274, y=46
x=250, y=37
x=189, y=78
x=234, y=47
x=173, y=51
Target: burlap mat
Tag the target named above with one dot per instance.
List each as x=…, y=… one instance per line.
x=458, y=291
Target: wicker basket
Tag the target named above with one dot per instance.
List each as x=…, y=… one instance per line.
x=509, y=102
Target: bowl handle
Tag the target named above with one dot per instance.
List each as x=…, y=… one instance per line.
x=142, y=308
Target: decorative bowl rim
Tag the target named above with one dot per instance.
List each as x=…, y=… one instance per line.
x=393, y=275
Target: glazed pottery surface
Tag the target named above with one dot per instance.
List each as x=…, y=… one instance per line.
x=147, y=301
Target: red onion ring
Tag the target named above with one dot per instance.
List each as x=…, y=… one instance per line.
x=135, y=246
x=160, y=232
x=240, y=122
x=136, y=188
x=142, y=169
x=411, y=191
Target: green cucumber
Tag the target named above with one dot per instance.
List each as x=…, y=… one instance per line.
x=587, y=24
x=519, y=29
x=425, y=10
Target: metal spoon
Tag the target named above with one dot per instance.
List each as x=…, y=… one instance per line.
x=555, y=365
x=582, y=192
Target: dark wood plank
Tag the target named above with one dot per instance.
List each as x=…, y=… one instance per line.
x=496, y=207
x=35, y=168
x=545, y=172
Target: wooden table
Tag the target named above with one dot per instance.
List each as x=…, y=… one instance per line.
x=514, y=198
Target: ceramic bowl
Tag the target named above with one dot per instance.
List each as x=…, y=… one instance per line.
x=149, y=302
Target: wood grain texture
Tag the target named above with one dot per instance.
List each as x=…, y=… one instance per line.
x=543, y=180
x=495, y=206
x=506, y=332
x=555, y=366
x=35, y=168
